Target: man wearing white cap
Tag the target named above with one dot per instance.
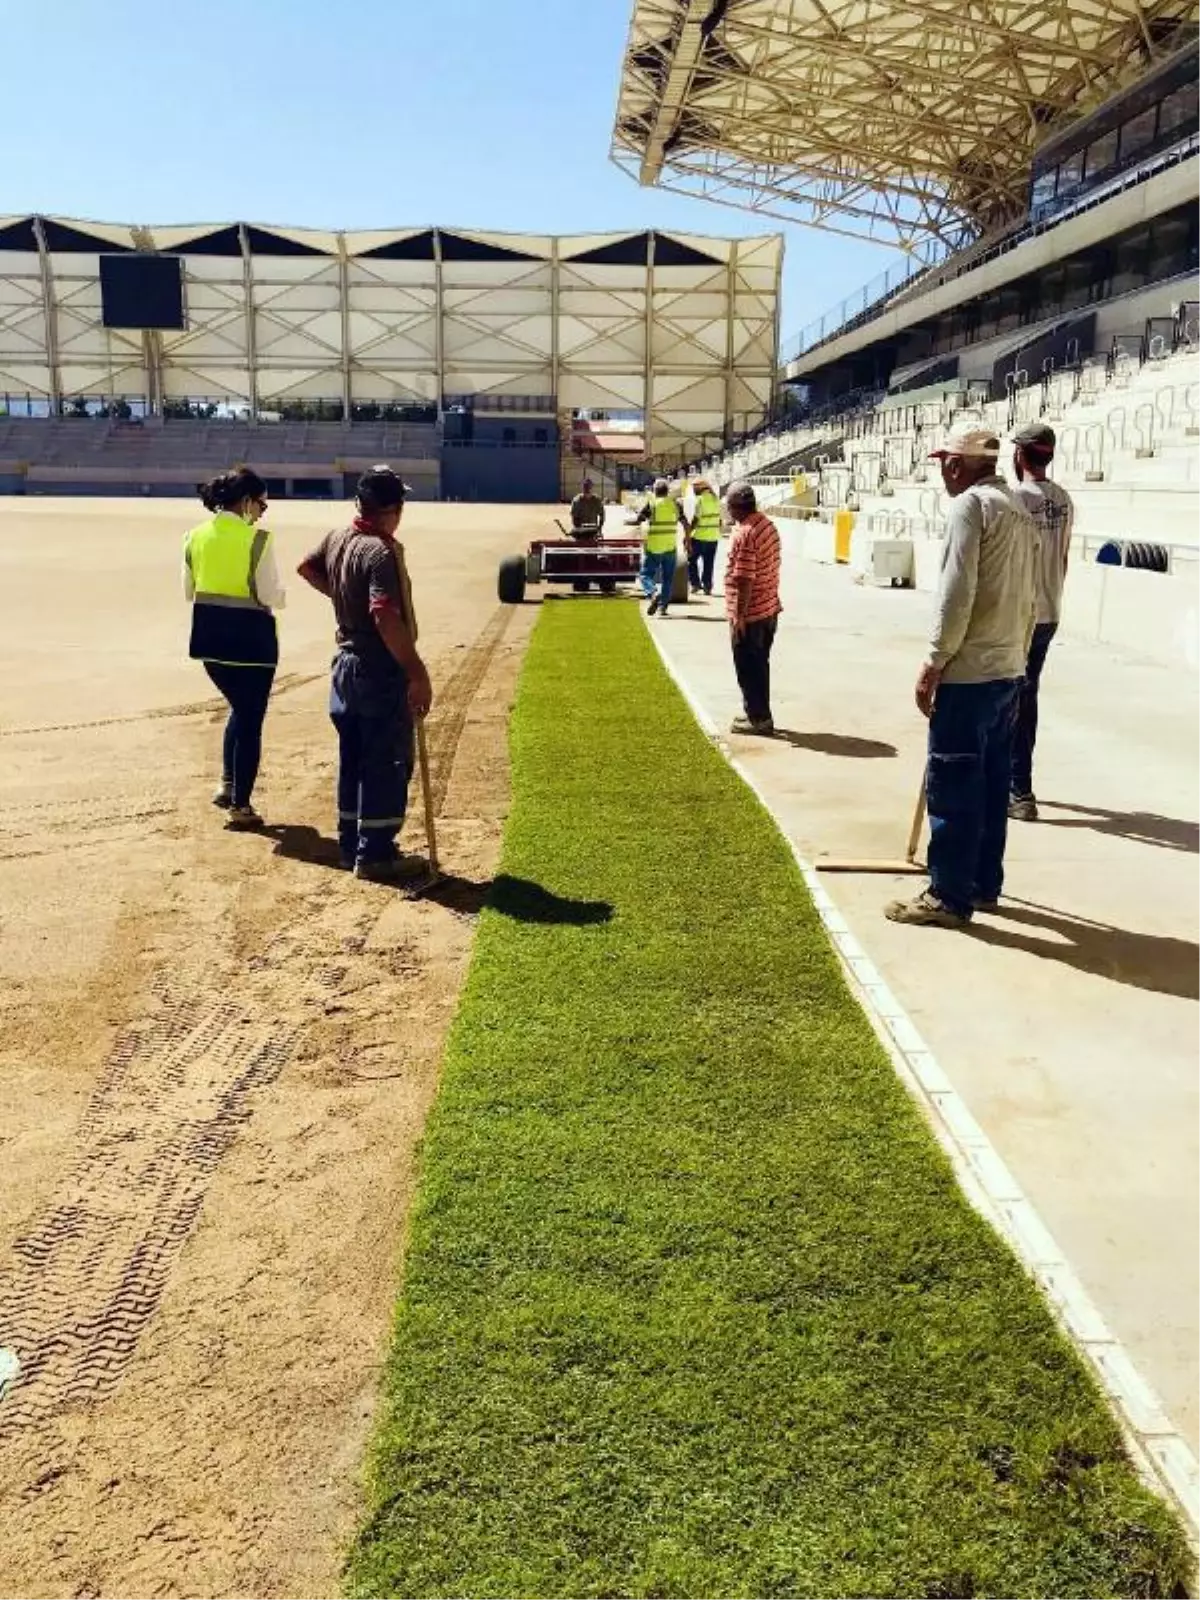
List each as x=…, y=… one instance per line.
x=970, y=680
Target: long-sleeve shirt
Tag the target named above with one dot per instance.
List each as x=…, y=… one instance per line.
x=1052, y=509
x=984, y=612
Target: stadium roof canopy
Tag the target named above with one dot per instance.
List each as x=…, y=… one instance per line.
x=682, y=328
x=910, y=122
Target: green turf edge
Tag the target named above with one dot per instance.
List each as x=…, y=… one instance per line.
x=692, y=1303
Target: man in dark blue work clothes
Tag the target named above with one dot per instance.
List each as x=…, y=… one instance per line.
x=380, y=684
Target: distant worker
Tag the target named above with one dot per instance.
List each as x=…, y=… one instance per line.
x=704, y=534
x=752, y=605
x=1052, y=510
x=969, y=683
x=379, y=682
x=587, y=512
x=230, y=576
x=664, y=516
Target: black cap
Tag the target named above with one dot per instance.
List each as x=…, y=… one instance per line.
x=1035, y=436
x=382, y=488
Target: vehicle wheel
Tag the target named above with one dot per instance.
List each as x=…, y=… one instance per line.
x=607, y=585
x=510, y=586
x=580, y=586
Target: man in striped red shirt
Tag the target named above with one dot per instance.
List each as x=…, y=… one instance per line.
x=752, y=605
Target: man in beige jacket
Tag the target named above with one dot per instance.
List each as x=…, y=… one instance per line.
x=969, y=682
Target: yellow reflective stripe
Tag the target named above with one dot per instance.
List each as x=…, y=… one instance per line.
x=258, y=547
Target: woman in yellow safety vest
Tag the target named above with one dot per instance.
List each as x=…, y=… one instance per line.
x=704, y=535
x=664, y=514
x=232, y=581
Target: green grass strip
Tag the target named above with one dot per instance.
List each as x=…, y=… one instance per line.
x=692, y=1303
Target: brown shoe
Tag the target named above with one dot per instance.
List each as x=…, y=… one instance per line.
x=926, y=911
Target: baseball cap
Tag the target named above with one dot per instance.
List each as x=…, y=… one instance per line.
x=587, y=483
x=661, y=486
x=971, y=440
x=383, y=485
x=1035, y=435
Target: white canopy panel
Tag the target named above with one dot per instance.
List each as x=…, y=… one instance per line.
x=683, y=328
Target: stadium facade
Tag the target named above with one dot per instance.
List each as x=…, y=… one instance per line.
x=1037, y=166
x=470, y=341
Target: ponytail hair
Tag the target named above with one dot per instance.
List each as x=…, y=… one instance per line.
x=229, y=489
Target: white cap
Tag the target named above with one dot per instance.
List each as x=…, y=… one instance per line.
x=970, y=440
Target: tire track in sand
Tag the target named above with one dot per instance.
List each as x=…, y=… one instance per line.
x=89, y=1273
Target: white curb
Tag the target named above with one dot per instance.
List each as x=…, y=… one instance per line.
x=1161, y=1454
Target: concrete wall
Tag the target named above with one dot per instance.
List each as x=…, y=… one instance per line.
x=1150, y=614
x=510, y=474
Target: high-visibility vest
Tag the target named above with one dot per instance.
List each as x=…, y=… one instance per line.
x=664, y=521
x=230, y=624
x=708, y=518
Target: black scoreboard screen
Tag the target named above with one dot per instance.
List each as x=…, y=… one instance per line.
x=141, y=291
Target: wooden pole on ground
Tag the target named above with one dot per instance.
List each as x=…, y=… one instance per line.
x=909, y=865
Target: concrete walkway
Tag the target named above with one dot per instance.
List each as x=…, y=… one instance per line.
x=1068, y=1022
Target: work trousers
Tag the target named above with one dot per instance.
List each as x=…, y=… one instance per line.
x=700, y=564
x=658, y=574
x=247, y=690
x=752, y=663
x=369, y=709
x=966, y=787
x=1025, y=728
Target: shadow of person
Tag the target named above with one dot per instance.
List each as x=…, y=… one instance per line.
x=1155, y=962
x=1144, y=827
x=301, y=843
x=518, y=898
x=836, y=744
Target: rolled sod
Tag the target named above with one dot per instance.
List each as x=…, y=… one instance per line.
x=692, y=1304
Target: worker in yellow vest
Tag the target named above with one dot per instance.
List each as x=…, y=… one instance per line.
x=704, y=534
x=232, y=581
x=664, y=516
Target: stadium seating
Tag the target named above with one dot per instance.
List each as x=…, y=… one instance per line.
x=94, y=454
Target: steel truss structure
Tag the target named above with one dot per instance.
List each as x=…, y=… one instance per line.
x=909, y=122
x=682, y=328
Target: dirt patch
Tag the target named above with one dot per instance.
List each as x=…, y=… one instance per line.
x=218, y=1054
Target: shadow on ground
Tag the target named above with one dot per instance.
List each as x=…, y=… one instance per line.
x=518, y=898
x=1155, y=962
x=1144, y=827
x=836, y=744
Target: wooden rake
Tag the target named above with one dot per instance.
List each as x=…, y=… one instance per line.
x=891, y=864
x=432, y=876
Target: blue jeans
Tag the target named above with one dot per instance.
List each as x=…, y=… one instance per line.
x=966, y=786
x=1025, y=730
x=658, y=571
x=369, y=709
x=701, y=562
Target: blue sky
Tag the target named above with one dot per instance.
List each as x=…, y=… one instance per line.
x=372, y=113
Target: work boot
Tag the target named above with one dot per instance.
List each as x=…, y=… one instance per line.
x=393, y=869
x=986, y=905
x=764, y=726
x=224, y=795
x=242, y=819
x=1023, y=808
x=926, y=911
x=653, y=606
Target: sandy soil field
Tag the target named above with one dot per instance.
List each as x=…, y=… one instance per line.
x=216, y=1054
